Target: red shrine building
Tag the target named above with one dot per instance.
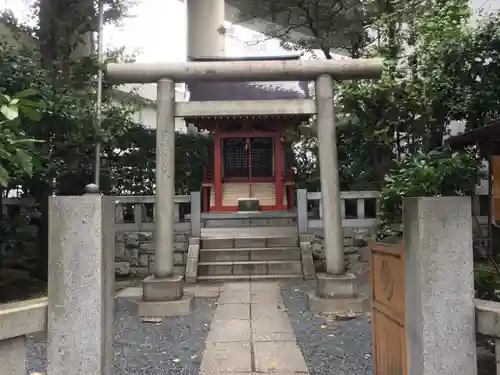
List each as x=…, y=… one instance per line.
x=251, y=158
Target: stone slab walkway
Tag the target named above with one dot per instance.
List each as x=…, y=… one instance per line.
x=251, y=333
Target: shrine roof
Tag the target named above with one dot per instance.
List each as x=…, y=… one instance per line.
x=209, y=91
x=486, y=136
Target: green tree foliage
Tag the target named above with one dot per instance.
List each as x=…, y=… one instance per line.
x=16, y=153
x=327, y=25
x=439, y=69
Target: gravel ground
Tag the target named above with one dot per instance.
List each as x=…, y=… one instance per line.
x=329, y=347
x=172, y=347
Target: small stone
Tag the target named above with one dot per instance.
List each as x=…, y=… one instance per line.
x=144, y=260
x=122, y=268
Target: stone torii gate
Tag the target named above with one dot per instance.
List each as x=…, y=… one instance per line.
x=163, y=293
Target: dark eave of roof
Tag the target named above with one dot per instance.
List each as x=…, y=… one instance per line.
x=484, y=136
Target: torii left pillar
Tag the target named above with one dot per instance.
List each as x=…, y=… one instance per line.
x=163, y=293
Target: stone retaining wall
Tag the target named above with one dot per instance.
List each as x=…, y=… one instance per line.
x=134, y=253
x=355, y=249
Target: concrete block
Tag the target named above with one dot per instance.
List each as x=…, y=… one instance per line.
x=180, y=246
x=179, y=270
x=182, y=306
x=285, y=267
x=308, y=268
x=229, y=297
x=217, y=243
x=81, y=285
x=192, y=263
x=439, y=286
x=339, y=306
x=270, y=254
x=196, y=214
x=232, y=311
x=179, y=258
x=230, y=330
x=282, y=241
x=191, y=271
x=139, y=271
x=194, y=241
x=249, y=242
x=302, y=220
x=336, y=286
x=226, y=358
x=180, y=238
x=193, y=250
x=215, y=269
x=224, y=255
x=23, y=318
x=144, y=260
x=268, y=329
x=164, y=289
x=488, y=317
x=250, y=269
x=13, y=356
x=278, y=357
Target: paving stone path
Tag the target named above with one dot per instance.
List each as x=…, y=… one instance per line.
x=251, y=333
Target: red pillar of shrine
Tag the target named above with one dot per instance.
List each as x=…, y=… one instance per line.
x=217, y=172
x=278, y=170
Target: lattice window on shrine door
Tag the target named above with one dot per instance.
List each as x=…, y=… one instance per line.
x=235, y=158
x=262, y=156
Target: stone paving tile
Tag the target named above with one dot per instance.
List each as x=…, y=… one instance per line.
x=278, y=356
x=236, y=286
x=232, y=311
x=270, y=310
x=272, y=296
x=263, y=285
x=234, y=296
x=226, y=357
x=230, y=330
x=271, y=325
x=252, y=316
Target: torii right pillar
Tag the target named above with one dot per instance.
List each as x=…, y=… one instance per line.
x=336, y=291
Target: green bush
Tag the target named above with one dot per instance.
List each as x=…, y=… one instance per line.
x=435, y=174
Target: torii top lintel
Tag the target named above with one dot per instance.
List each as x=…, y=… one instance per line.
x=244, y=71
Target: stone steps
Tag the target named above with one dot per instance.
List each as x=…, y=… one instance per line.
x=250, y=253
x=248, y=242
x=240, y=256
x=250, y=267
x=224, y=278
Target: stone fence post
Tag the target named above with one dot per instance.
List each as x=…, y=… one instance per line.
x=302, y=211
x=439, y=286
x=81, y=284
x=195, y=214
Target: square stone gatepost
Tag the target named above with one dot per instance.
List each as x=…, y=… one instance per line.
x=336, y=291
x=194, y=240
x=163, y=293
x=302, y=219
x=81, y=284
x=439, y=286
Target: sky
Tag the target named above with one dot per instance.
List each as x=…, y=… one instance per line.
x=163, y=41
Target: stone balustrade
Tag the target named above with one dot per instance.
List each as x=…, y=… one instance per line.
x=134, y=234
x=17, y=321
x=487, y=318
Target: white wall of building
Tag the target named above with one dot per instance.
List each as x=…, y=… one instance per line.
x=147, y=113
